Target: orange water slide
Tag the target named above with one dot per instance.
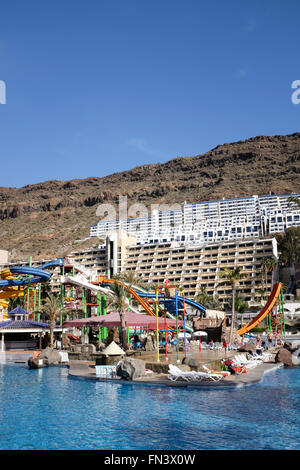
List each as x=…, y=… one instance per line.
x=133, y=293
x=264, y=312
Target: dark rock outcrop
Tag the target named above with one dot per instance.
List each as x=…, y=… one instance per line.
x=285, y=357
x=50, y=356
x=35, y=363
x=193, y=364
x=113, y=335
x=47, y=357
x=247, y=347
x=130, y=369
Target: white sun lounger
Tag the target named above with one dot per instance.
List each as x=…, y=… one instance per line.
x=206, y=376
x=242, y=361
x=266, y=356
x=176, y=374
x=256, y=357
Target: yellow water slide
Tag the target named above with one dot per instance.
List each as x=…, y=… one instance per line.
x=9, y=292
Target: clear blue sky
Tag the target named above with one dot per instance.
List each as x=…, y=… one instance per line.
x=100, y=86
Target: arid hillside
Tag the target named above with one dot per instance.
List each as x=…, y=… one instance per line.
x=47, y=219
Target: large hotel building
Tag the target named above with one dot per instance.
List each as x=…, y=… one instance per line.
x=211, y=221
x=190, y=247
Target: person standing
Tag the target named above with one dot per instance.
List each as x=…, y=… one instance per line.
x=269, y=340
x=258, y=342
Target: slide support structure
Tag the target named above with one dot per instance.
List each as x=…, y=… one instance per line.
x=275, y=319
x=267, y=310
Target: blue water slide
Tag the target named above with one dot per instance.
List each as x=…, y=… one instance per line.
x=56, y=262
x=194, y=304
x=36, y=274
x=171, y=301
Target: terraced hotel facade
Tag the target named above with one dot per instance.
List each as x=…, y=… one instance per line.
x=210, y=221
x=215, y=235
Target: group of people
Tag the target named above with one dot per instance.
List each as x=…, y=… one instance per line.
x=212, y=345
x=139, y=341
x=271, y=340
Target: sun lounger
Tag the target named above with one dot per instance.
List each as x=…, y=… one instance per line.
x=176, y=374
x=256, y=357
x=223, y=373
x=266, y=356
x=242, y=361
x=199, y=376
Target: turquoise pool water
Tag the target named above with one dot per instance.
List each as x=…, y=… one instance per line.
x=46, y=410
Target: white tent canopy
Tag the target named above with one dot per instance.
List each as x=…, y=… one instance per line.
x=181, y=335
x=215, y=314
x=113, y=350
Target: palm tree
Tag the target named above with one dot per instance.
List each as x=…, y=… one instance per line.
x=240, y=304
x=208, y=301
x=262, y=294
x=232, y=276
x=289, y=246
x=13, y=302
x=268, y=265
x=51, y=308
x=45, y=289
x=294, y=200
x=202, y=297
x=120, y=293
x=129, y=278
x=149, y=286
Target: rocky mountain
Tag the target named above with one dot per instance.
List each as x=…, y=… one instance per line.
x=46, y=220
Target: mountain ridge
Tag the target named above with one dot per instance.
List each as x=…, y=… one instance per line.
x=44, y=219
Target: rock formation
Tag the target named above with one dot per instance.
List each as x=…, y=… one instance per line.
x=288, y=355
x=130, y=369
x=47, y=357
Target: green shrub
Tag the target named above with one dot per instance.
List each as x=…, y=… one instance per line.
x=258, y=330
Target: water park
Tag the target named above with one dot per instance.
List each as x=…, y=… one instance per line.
x=112, y=329
x=165, y=363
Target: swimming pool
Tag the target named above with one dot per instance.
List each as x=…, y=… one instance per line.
x=46, y=410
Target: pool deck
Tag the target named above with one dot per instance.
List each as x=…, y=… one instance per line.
x=86, y=370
